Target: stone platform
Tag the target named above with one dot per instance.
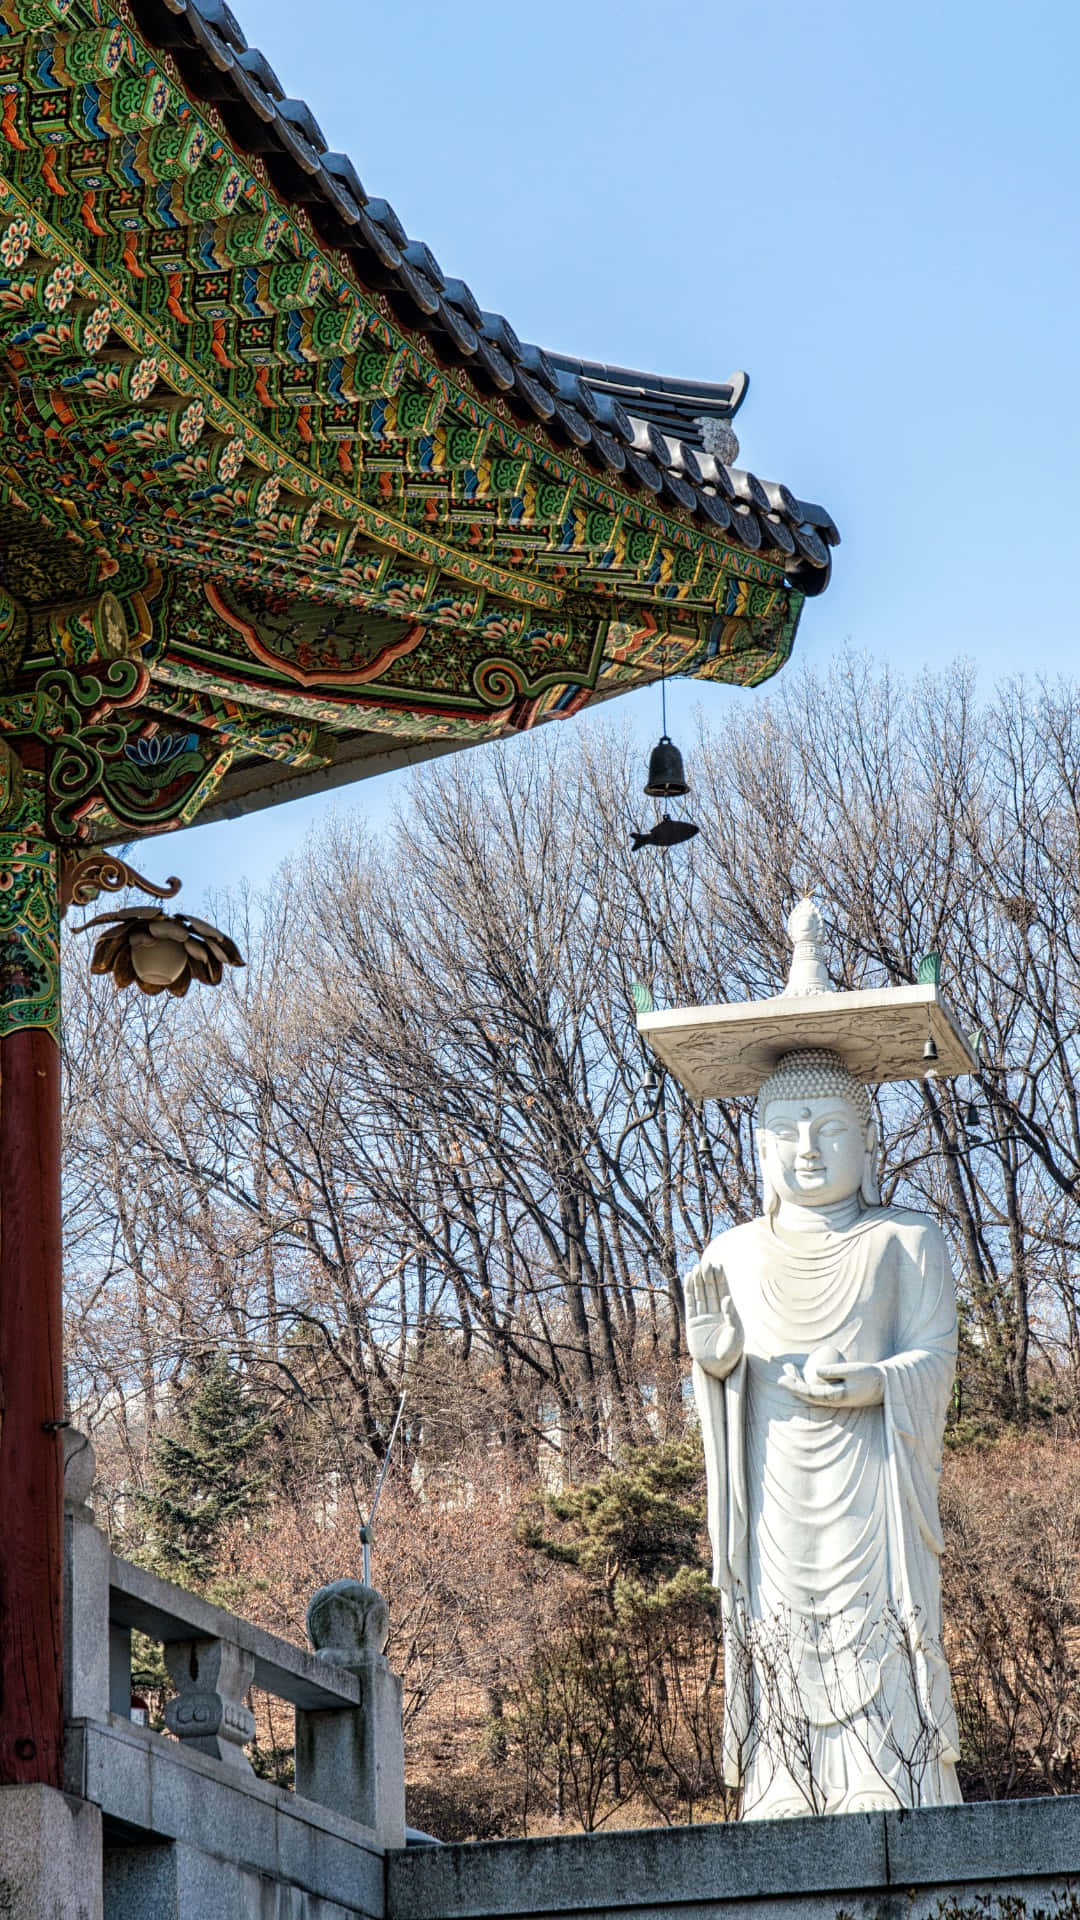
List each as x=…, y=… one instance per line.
x=206, y=1846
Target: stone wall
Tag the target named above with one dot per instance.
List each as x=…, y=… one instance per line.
x=154, y=1831
x=867, y=1866
x=188, y=1838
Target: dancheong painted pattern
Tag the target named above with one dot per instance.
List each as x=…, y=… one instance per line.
x=277, y=497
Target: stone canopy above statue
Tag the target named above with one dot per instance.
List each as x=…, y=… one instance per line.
x=880, y=1033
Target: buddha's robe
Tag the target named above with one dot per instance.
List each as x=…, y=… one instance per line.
x=824, y=1521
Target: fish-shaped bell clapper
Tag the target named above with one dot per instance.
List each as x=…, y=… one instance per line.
x=666, y=833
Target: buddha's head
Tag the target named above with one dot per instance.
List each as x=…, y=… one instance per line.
x=816, y=1135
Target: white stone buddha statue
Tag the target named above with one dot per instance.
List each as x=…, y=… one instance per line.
x=823, y=1337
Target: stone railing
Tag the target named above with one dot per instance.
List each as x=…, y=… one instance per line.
x=188, y=1829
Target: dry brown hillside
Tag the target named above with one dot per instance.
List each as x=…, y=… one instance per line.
x=525, y=1714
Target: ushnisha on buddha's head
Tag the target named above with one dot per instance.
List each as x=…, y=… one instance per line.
x=816, y=1136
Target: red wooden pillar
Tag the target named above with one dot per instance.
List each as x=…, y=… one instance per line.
x=31, y=1376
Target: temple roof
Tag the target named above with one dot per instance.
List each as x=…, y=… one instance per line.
x=281, y=503
x=650, y=430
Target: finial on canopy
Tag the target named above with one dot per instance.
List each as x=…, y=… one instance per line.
x=806, y=931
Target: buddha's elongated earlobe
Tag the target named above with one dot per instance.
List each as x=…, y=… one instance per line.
x=870, y=1190
x=770, y=1197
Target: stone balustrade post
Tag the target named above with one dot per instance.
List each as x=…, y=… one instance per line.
x=86, y=1590
x=352, y=1759
x=209, y=1714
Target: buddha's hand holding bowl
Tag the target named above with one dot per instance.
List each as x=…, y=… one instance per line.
x=828, y=1380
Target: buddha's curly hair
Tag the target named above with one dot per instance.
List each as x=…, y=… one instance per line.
x=813, y=1073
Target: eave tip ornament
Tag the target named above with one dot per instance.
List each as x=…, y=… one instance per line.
x=878, y=1033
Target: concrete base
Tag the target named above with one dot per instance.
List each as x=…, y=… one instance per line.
x=50, y=1856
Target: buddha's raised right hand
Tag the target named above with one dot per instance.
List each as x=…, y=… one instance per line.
x=714, y=1333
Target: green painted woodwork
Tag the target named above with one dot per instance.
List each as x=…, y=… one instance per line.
x=29, y=909
x=229, y=469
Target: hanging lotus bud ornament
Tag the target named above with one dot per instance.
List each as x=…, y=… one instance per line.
x=160, y=952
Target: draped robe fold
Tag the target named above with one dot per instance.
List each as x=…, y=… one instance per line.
x=824, y=1522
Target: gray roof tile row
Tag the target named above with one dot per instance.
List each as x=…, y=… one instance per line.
x=648, y=432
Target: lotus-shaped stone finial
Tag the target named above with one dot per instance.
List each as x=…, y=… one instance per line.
x=806, y=931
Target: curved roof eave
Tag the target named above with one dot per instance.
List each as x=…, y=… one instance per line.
x=650, y=428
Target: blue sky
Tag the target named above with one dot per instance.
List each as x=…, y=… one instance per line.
x=871, y=208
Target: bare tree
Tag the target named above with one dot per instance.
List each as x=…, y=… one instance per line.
x=418, y=1138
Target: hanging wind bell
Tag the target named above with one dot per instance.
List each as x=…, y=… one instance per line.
x=666, y=780
x=667, y=776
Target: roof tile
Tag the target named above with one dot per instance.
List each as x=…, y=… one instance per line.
x=654, y=429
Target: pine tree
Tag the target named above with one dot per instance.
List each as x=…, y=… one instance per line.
x=624, y=1695
x=635, y=1535
x=206, y=1473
